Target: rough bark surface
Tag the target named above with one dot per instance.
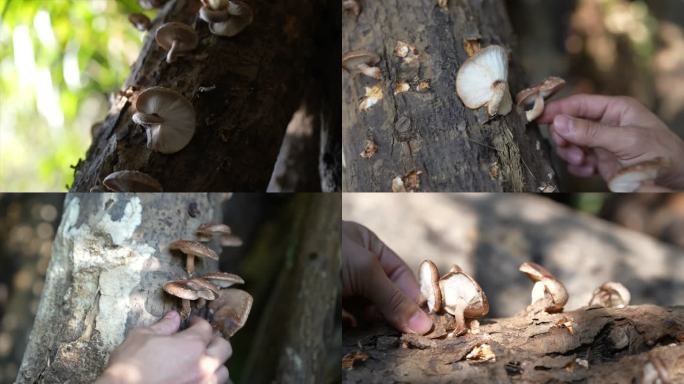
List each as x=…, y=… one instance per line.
x=109, y=262
x=604, y=346
x=298, y=338
x=432, y=131
x=244, y=89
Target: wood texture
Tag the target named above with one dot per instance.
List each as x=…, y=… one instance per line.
x=604, y=346
x=432, y=131
x=254, y=83
x=109, y=263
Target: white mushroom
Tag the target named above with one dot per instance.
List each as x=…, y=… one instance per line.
x=226, y=17
x=633, y=177
x=168, y=118
x=547, y=289
x=611, y=295
x=483, y=80
x=463, y=298
x=429, y=285
x=176, y=38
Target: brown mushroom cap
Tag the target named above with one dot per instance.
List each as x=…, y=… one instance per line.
x=230, y=310
x=205, y=232
x=180, y=289
x=223, y=279
x=131, y=181
x=534, y=271
x=168, y=118
x=536, y=95
x=176, y=37
x=140, y=21
x=428, y=275
x=228, y=18
x=611, y=294
x=193, y=248
x=353, y=59
x=546, y=287
x=460, y=287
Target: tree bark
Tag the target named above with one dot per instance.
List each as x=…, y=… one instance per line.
x=244, y=89
x=109, y=262
x=598, y=345
x=432, y=131
x=295, y=342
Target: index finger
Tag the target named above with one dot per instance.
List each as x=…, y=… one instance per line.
x=199, y=328
x=591, y=107
x=395, y=268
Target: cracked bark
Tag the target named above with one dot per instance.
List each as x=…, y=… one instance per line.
x=109, y=262
x=261, y=77
x=432, y=131
x=606, y=345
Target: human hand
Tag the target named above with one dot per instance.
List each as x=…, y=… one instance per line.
x=602, y=134
x=161, y=354
x=370, y=269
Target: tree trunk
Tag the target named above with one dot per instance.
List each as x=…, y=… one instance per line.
x=295, y=342
x=598, y=345
x=109, y=262
x=244, y=89
x=432, y=131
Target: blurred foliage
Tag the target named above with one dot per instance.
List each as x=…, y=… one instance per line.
x=58, y=61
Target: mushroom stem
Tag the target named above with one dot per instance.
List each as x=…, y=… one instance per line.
x=537, y=109
x=369, y=71
x=190, y=264
x=460, y=327
x=185, y=309
x=171, y=55
x=498, y=92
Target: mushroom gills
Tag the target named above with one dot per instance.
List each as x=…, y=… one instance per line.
x=482, y=80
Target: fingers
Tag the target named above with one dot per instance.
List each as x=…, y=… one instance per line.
x=219, y=348
x=200, y=329
x=222, y=375
x=573, y=155
x=582, y=170
x=653, y=189
x=589, y=133
x=167, y=325
x=593, y=107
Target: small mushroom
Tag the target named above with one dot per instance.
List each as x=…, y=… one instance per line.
x=483, y=80
x=463, y=298
x=206, y=232
x=611, y=295
x=352, y=6
x=131, y=181
x=140, y=21
x=230, y=311
x=633, y=177
x=226, y=17
x=168, y=118
x=192, y=249
x=223, y=279
x=175, y=38
x=429, y=285
x=535, y=96
x=362, y=61
x=547, y=288
x=187, y=292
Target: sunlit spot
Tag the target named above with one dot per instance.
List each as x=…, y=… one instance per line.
x=71, y=71
x=47, y=99
x=44, y=30
x=24, y=58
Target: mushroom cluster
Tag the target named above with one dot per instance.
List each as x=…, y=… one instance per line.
x=228, y=308
x=226, y=17
x=455, y=296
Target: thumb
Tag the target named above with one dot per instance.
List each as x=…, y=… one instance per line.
x=167, y=325
x=588, y=133
x=402, y=312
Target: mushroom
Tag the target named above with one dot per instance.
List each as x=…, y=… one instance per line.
x=226, y=17
x=535, y=96
x=192, y=249
x=168, y=119
x=463, y=298
x=633, y=177
x=176, y=37
x=611, y=295
x=429, y=285
x=223, y=279
x=131, y=181
x=205, y=232
x=352, y=6
x=230, y=310
x=483, y=80
x=140, y=21
x=188, y=291
x=362, y=61
x=547, y=289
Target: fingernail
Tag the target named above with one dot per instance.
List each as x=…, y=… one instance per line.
x=171, y=314
x=419, y=323
x=562, y=124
